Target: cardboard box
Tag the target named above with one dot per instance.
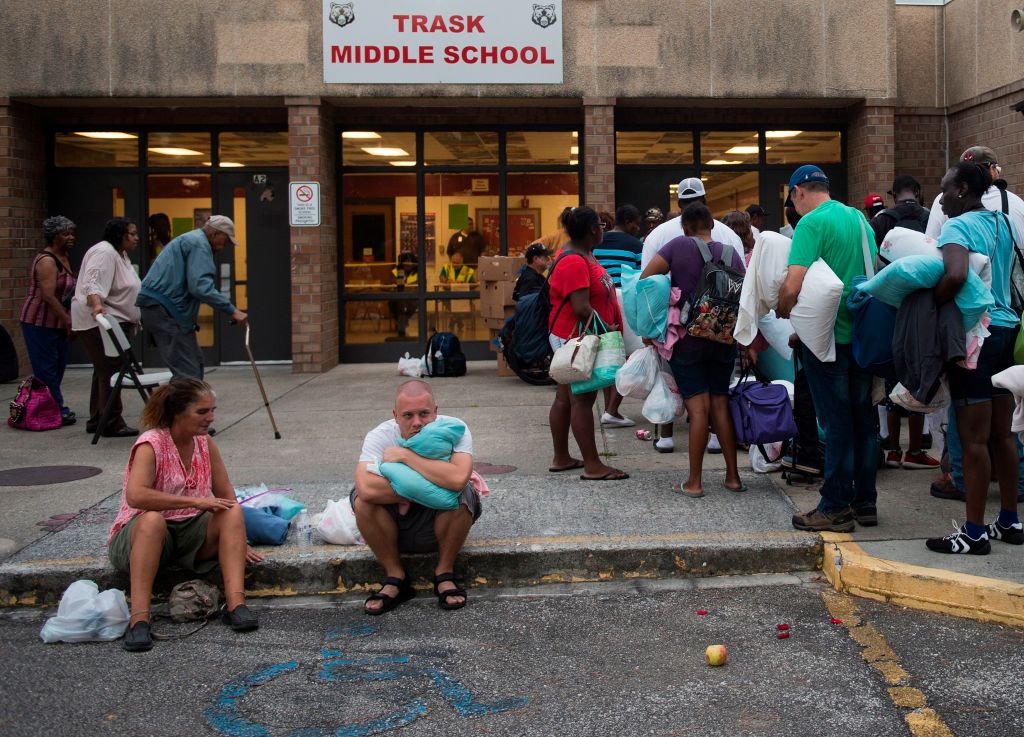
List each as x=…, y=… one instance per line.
x=498, y=268
x=497, y=292
x=494, y=324
x=492, y=335
x=495, y=309
x=503, y=369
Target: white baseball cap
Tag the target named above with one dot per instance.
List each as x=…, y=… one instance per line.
x=224, y=225
x=690, y=188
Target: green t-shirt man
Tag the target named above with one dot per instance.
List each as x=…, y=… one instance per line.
x=833, y=232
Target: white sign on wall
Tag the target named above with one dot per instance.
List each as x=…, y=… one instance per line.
x=467, y=42
x=303, y=204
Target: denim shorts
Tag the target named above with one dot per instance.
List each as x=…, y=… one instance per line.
x=975, y=387
x=706, y=369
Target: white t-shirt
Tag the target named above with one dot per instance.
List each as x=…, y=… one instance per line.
x=992, y=200
x=674, y=228
x=387, y=434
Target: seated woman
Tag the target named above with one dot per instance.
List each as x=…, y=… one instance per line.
x=178, y=508
x=702, y=368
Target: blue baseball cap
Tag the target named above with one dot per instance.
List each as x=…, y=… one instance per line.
x=806, y=174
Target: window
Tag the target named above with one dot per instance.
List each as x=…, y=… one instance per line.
x=542, y=147
x=719, y=148
x=178, y=149
x=96, y=148
x=654, y=147
x=370, y=148
x=804, y=147
x=252, y=149
x=460, y=148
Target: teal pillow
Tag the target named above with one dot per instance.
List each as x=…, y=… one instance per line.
x=435, y=441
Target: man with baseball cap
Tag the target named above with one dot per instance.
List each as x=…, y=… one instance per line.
x=183, y=276
x=531, y=275
x=841, y=390
x=873, y=204
x=653, y=217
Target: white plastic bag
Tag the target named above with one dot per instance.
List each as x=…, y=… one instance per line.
x=638, y=374
x=84, y=614
x=337, y=524
x=410, y=366
x=777, y=331
x=664, y=403
x=814, y=316
x=760, y=464
x=632, y=340
x=902, y=396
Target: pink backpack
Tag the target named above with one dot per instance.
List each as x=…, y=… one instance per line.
x=34, y=408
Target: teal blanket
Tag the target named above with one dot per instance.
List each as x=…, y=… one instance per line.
x=435, y=441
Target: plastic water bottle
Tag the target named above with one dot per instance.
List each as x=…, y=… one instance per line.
x=439, y=363
x=304, y=528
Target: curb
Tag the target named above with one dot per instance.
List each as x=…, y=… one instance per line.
x=483, y=563
x=851, y=570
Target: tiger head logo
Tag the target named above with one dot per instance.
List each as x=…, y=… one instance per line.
x=342, y=15
x=544, y=15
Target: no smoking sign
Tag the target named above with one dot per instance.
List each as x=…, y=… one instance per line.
x=304, y=204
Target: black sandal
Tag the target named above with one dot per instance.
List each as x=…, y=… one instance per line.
x=442, y=596
x=405, y=592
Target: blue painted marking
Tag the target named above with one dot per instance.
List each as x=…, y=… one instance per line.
x=223, y=715
x=462, y=700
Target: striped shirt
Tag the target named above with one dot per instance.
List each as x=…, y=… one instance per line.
x=35, y=310
x=616, y=250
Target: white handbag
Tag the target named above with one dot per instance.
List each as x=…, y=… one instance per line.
x=575, y=360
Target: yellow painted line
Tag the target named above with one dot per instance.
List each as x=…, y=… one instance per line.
x=851, y=570
x=922, y=720
x=675, y=537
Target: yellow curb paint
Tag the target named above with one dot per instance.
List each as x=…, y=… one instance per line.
x=922, y=721
x=851, y=570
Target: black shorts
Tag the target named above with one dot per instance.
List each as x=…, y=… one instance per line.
x=416, y=526
x=975, y=387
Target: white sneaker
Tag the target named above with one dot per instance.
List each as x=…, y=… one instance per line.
x=665, y=445
x=713, y=445
x=613, y=421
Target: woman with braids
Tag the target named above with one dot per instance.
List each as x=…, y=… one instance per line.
x=579, y=287
x=178, y=507
x=45, y=320
x=983, y=412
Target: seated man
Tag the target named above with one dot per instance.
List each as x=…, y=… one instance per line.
x=391, y=525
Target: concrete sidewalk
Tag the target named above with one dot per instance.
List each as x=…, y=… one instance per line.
x=537, y=526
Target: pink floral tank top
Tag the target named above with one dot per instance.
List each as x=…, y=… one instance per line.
x=171, y=477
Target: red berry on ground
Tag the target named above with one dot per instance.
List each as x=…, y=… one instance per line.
x=837, y=621
x=783, y=627
x=702, y=612
x=783, y=635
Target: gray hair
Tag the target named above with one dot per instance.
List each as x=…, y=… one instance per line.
x=52, y=227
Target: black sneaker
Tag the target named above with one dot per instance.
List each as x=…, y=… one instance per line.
x=926, y=441
x=138, y=638
x=240, y=619
x=866, y=516
x=959, y=543
x=1014, y=534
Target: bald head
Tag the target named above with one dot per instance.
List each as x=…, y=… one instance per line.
x=414, y=407
x=414, y=388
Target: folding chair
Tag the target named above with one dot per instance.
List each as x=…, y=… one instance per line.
x=116, y=345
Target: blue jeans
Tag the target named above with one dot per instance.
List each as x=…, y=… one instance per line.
x=842, y=399
x=48, y=353
x=956, y=454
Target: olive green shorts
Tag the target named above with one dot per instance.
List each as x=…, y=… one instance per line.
x=181, y=544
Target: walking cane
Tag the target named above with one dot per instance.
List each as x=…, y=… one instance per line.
x=266, y=403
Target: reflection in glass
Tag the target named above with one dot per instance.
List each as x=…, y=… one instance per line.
x=253, y=148
x=727, y=191
x=379, y=225
x=359, y=148
x=96, y=148
x=541, y=147
x=459, y=316
x=178, y=149
x=535, y=203
x=654, y=147
x=804, y=147
x=376, y=320
x=729, y=147
x=460, y=148
x=464, y=210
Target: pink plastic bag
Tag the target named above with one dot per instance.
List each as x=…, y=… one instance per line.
x=34, y=408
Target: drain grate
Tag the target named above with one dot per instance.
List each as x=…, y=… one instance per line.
x=42, y=475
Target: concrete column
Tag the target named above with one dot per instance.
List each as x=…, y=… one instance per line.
x=314, y=251
x=599, y=153
x=871, y=151
x=22, y=210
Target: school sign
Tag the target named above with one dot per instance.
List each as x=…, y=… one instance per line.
x=456, y=42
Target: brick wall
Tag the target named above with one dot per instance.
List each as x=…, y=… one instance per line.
x=990, y=120
x=314, y=258
x=22, y=210
x=921, y=148
x=869, y=150
x=599, y=153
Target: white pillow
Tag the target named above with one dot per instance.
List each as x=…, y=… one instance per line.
x=902, y=242
x=814, y=316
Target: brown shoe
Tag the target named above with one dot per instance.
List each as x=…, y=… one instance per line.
x=943, y=488
x=818, y=521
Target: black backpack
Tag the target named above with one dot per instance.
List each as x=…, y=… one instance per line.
x=528, y=329
x=715, y=304
x=444, y=355
x=907, y=215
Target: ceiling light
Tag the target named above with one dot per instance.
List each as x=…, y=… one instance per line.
x=385, y=151
x=719, y=162
x=172, y=151
x=781, y=134
x=402, y=163
x=361, y=135
x=575, y=134
x=574, y=162
x=742, y=150
x=230, y=164
x=574, y=150
x=107, y=135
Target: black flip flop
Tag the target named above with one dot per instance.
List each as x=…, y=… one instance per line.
x=442, y=596
x=614, y=475
x=571, y=467
x=405, y=592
